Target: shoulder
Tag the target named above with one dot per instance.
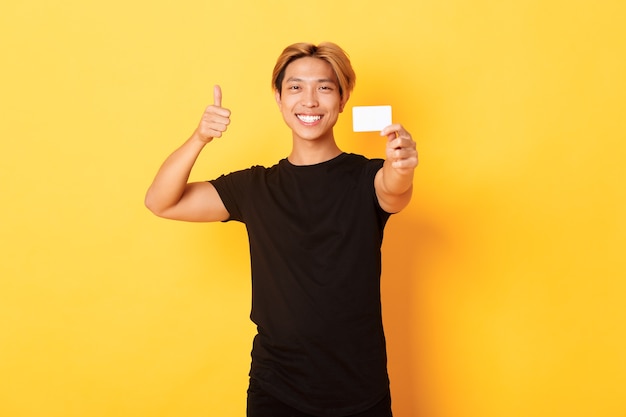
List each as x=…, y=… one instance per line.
x=367, y=166
x=242, y=174
x=361, y=160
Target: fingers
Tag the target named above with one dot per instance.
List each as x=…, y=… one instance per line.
x=216, y=108
x=394, y=131
x=215, y=119
x=214, y=122
x=401, y=149
x=397, y=136
x=217, y=96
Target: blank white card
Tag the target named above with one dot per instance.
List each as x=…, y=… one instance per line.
x=370, y=118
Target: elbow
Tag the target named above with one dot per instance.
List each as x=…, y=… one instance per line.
x=151, y=204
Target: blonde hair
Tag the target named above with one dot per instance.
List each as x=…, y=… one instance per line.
x=327, y=51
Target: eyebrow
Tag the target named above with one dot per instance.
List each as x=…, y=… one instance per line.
x=320, y=80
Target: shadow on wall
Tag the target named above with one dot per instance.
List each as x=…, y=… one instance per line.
x=412, y=249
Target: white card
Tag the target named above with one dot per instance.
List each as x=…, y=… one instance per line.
x=370, y=118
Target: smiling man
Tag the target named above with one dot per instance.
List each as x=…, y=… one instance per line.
x=315, y=224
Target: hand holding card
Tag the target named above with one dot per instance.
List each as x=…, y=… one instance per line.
x=370, y=118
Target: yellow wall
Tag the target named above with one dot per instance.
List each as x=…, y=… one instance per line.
x=504, y=281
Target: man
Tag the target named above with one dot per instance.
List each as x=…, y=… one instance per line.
x=315, y=224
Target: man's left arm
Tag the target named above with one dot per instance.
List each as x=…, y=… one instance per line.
x=394, y=181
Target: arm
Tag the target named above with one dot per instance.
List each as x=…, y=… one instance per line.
x=394, y=181
x=170, y=195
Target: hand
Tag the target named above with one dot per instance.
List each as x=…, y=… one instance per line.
x=215, y=119
x=401, y=150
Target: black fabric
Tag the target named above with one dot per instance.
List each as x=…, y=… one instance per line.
x=261, y=404
x=315, y=234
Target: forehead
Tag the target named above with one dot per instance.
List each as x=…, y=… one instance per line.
x=309, y=68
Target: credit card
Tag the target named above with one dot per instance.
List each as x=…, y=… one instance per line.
x=370, y=118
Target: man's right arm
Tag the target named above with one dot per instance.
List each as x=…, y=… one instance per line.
x=171, y=195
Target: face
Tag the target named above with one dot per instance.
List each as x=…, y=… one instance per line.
x=310, y=100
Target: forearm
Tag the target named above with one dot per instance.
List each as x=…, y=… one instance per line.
x=170, y=182
x=394, y=188
x=170, y=194
x=397, y=181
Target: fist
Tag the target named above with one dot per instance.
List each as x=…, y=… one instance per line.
x=215, y=119
x=401, y=149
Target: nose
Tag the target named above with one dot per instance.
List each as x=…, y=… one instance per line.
x=309, y=99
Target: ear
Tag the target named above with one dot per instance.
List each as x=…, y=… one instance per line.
x=344, y=100
x=277, y=97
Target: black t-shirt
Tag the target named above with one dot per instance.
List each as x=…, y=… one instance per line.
x=315, y=234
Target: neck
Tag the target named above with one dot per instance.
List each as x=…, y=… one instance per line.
x=313, y=152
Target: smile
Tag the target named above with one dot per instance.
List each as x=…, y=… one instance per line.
x=308, y=118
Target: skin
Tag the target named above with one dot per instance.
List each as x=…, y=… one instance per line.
x=310, y=89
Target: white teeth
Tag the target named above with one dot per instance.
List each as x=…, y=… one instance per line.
x=308, y=118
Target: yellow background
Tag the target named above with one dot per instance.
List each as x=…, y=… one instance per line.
x=504, y=281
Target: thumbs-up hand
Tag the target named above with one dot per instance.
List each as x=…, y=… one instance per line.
x=215, y=119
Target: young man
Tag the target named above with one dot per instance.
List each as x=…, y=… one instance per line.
x=315, y=224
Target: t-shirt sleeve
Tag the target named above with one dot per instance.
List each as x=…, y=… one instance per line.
x=371, y=169
x=233, y=189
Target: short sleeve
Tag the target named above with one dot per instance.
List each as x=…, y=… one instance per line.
x=233, y=190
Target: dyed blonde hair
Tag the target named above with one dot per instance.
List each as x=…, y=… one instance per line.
x=327, y=51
